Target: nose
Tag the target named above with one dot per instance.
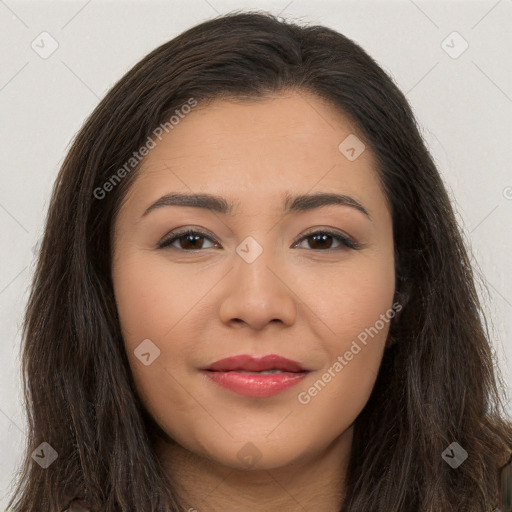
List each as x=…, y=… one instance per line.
x=258, y=293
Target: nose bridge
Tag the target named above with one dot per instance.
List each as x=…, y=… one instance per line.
x=259, y=292
x=257, y=264
x=261, y=242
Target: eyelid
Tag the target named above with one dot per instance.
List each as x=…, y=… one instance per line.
x=344, y=239
x=176, y=233
x=335, y=233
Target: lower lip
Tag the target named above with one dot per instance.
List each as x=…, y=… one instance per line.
x=254, y=384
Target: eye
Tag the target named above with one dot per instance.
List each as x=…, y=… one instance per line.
x=190, y=240
x=320, y=239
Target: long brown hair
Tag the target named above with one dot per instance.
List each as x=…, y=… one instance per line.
x=438, y=382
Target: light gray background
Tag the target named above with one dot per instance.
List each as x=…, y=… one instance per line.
x=464, y=106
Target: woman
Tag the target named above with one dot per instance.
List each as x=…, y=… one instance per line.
x=170, y=375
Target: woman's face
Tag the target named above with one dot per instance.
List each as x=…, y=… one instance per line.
x=268, y=277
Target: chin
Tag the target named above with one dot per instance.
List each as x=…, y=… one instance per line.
x=253, y=454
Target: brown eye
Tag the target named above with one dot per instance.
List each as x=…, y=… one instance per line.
x=322, y=240
x=188, y=240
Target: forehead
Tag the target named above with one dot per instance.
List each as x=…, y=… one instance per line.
x=260, y=150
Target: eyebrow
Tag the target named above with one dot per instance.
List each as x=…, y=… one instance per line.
x=298, y=203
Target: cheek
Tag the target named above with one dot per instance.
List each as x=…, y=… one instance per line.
x=354, y=299
x=359, y=323
x=150, y=300
x=153, y=304
x=356, y=314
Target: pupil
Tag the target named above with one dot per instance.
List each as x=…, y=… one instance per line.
x=193, y=239
x=322, y=239
x=319, y=241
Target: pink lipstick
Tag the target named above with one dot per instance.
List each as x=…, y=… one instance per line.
x=256, y=376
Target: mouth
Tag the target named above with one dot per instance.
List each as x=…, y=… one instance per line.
x=256, y=376
x=255, y=363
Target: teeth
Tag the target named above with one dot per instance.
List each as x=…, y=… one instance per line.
x=265, y=372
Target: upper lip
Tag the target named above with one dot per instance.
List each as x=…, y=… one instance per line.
x=252, y=363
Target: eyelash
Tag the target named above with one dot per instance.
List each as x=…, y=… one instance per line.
x=170, y=238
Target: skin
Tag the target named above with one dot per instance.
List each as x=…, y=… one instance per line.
x=200, y=306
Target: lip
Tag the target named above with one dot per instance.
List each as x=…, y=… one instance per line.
x=252, y=363
x=228, y=374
